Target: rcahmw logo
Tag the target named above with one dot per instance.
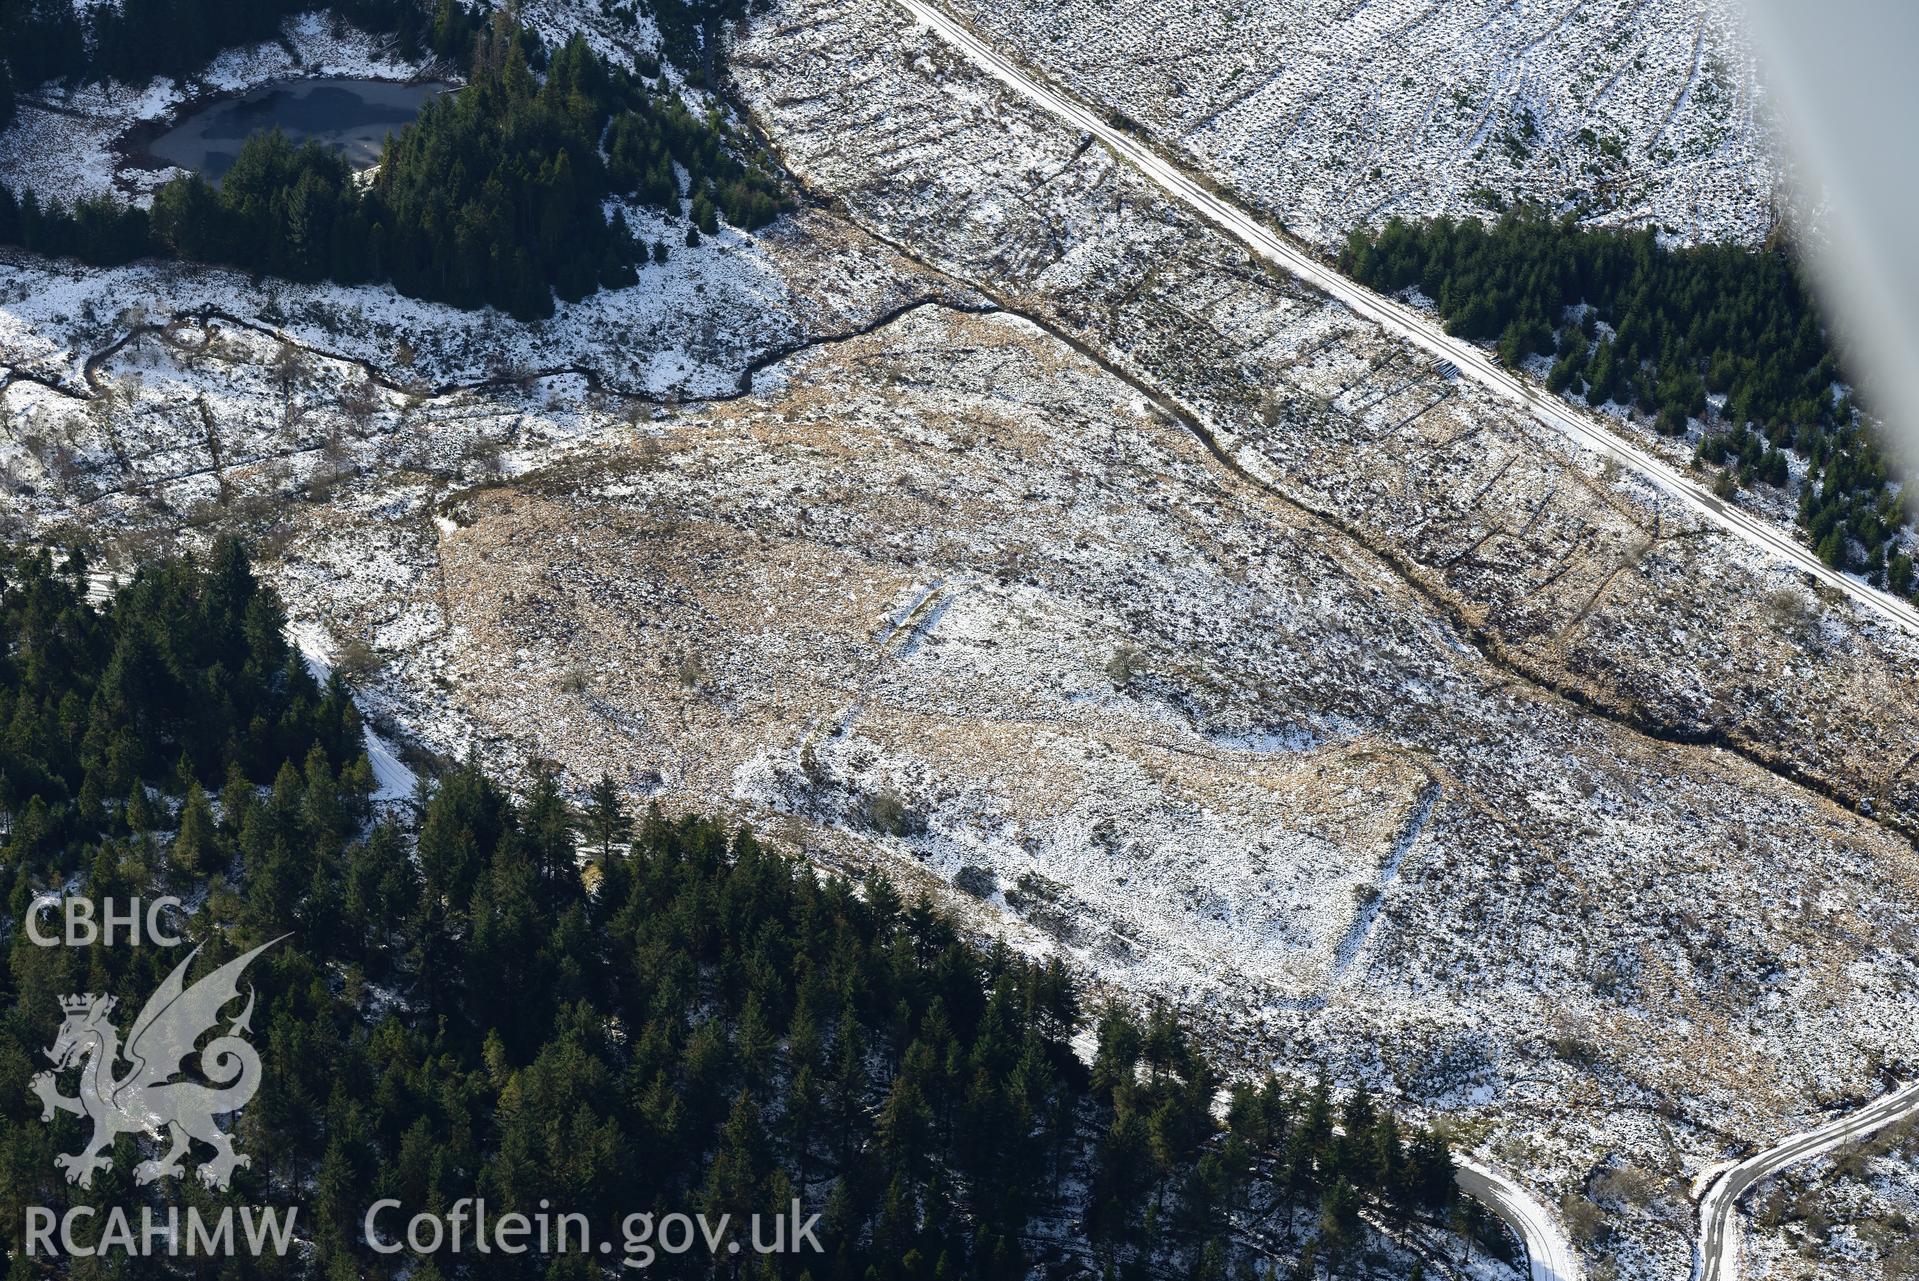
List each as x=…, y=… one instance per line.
x=141, y=1086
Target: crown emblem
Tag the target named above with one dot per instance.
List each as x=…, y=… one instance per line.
x=82, y=1003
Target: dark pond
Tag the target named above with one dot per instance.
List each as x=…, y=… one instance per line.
x=352, y=116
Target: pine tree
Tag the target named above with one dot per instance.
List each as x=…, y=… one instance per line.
x=194, y=849
x=737, y=1182
x=606, y=823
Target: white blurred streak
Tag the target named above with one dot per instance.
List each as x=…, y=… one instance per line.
x=1842, y=73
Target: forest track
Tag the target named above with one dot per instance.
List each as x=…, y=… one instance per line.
x=1584, y=429
x=1718, y=1233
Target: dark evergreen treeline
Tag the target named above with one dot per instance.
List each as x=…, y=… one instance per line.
x=134, y=40
x=39, y=40
x=506, y=998
x=186, y=679
x=496, y=196
x=1678, y=324
x=98, y=230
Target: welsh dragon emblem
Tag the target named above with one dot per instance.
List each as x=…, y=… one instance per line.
x=148, y=1099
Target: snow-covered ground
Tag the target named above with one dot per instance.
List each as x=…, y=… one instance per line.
x=623, y=33
x=1568, y=575
x=951, y=601
x=67, y=144
x=1169, y=618
x=393, y=781
x=1417, y=327
x=1851, y=1216
x=1333, y=113
x=686, y=328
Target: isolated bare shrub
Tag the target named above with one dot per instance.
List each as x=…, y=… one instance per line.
x=1585, y=1220
x=886, y=812
x=358, y=661
x=1628, y=1184
x=975, y=881
x=1790, y=612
